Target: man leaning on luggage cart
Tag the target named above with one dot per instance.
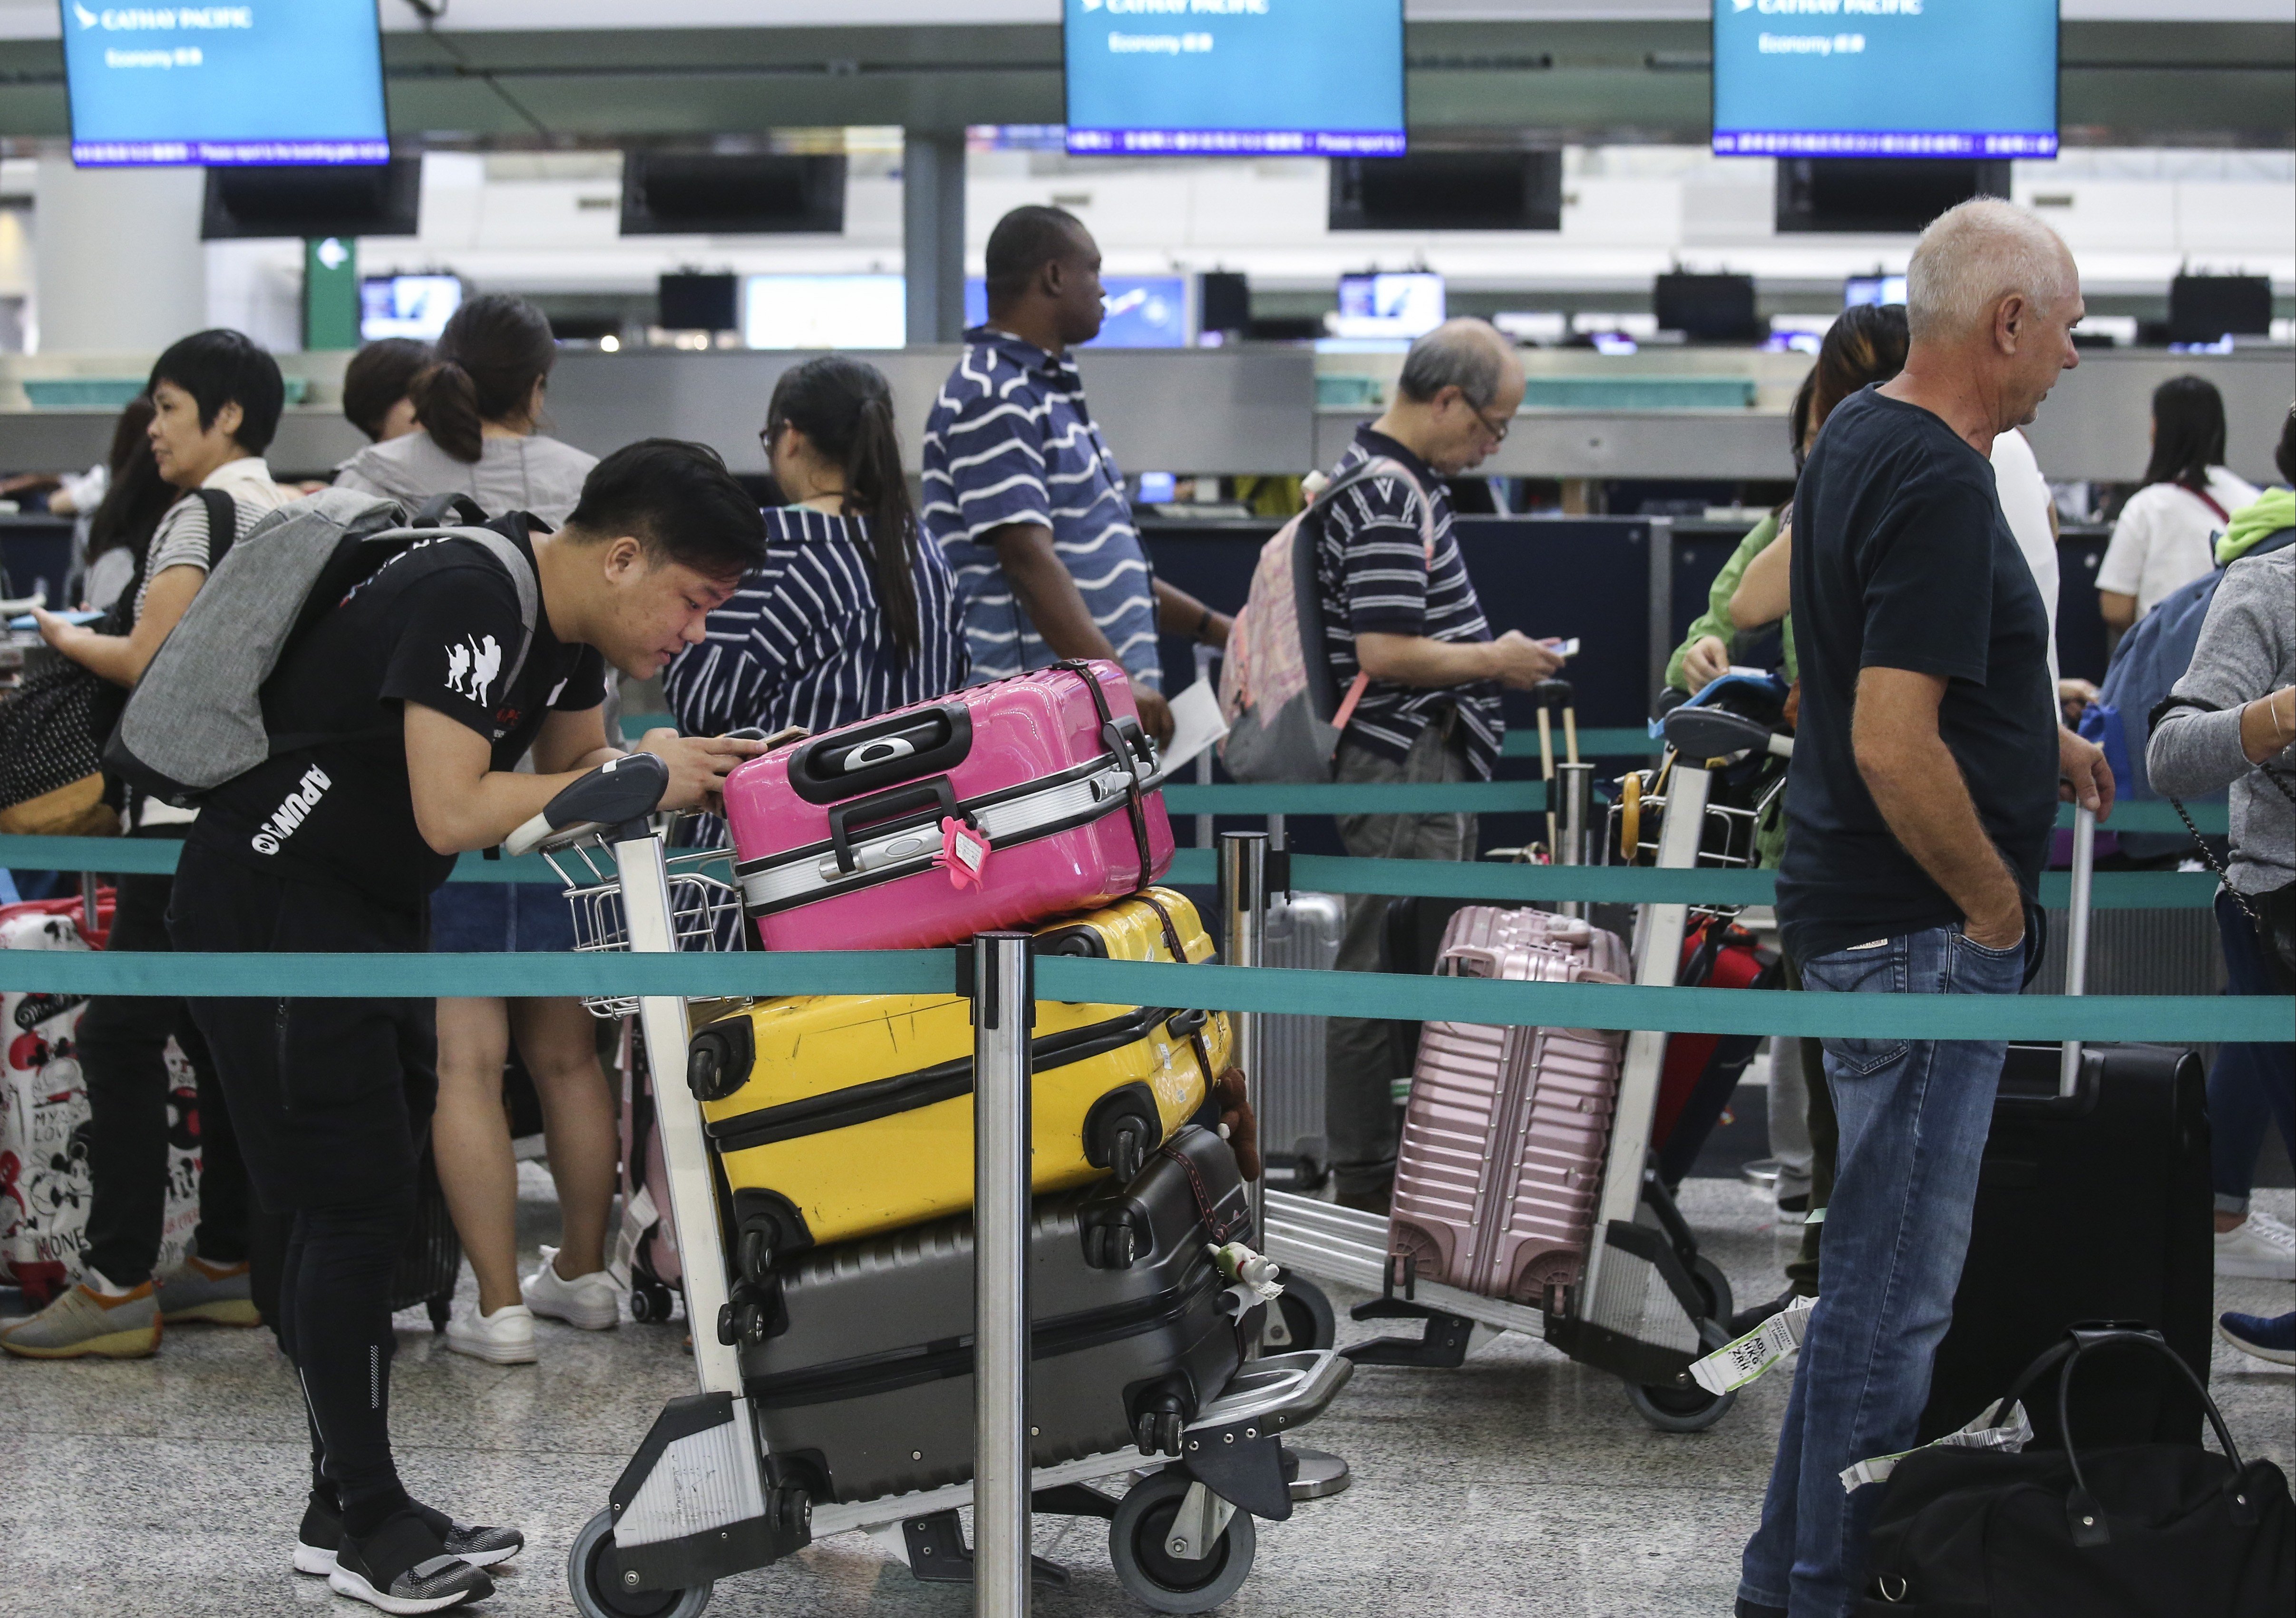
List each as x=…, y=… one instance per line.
x=1921, y=800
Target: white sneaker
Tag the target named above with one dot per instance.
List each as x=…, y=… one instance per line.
x=505, y=1337
x=592, y=1302
x=2259, y=1247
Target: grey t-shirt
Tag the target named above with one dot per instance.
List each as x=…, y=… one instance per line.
x=2247, y=649
x=536, y=475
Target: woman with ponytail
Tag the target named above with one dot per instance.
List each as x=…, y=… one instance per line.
x=478, y=403
x=855, y=613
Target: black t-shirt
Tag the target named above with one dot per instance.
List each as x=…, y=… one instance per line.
x=1903, y=560
x=437, y=625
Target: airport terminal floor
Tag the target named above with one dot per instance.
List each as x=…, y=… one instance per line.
x=1520, y=1484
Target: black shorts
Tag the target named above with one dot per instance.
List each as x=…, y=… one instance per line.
x=331, y=1098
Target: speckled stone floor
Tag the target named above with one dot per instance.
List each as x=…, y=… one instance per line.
x=1520, y=1484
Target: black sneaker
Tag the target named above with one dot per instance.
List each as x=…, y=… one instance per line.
x=403, y=1568
x=322, y=1533
x=1750, y=1318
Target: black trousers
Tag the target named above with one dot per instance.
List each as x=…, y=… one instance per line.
x=133, y=1112
x=332, y=1099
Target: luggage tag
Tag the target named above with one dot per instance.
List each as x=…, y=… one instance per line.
x=639, y=1217
x=1735, y=1364
x=1978, y=1435
x=963, y=852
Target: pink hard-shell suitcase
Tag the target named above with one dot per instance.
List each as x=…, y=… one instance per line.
x=858, y=839
x=1492, y=927
x=1504, y=1141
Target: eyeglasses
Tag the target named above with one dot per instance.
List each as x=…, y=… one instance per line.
x=1497, y=429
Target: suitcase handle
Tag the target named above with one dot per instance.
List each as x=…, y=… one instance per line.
x=881, y=811
x=882, y=752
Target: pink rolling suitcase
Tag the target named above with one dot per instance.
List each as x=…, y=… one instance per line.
x=871, y=837
x=1501, y=1159
x=1491, y=927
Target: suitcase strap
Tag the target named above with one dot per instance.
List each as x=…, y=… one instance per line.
x=1180, y=957
x=1207, y=1210
x=1110, y=738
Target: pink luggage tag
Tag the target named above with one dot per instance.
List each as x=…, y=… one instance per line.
x=963, y=851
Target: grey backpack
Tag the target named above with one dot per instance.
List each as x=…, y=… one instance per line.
x=195, y=719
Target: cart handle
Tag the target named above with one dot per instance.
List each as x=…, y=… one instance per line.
x=615, y=795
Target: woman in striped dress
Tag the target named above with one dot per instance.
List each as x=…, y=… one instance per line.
x=856, y=612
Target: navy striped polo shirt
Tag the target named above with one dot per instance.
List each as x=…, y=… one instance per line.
x=1372, y=565
x=805, y=642
x=1010, y=440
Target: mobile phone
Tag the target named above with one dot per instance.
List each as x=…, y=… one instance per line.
x=1564, y=648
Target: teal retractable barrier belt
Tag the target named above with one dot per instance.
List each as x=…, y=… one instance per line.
x=1491, y=882
x=1506, y=884
x=2092, y=1017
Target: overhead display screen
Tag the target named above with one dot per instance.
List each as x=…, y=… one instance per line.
x=1235, y=78
x=1948, y=78
x=271, y=81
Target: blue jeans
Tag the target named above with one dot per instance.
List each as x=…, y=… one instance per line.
x=2250, y=1086
x=1913, y=1119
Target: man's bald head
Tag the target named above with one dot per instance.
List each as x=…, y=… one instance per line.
x=1973, y=256
x=1466, y=354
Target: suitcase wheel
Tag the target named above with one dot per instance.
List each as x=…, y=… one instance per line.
x=1682, y=1406
x=594, y=1576
x=1140, y=1545
x=649, y=1302
x=1110, y=1246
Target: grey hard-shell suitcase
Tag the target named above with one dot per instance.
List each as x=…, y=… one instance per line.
x=1302, y=930
x=863, y=1382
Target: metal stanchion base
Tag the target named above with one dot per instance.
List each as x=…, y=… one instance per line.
x=1321, y=1473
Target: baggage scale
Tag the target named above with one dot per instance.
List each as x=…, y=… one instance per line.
x=702, y=1499
x=1649, y=1302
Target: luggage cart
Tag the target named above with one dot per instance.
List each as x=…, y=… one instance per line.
x=702, y=1499
x=1649, y=1302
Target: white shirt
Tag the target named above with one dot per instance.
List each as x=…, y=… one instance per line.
x=2167, y=537
x=2025, y=496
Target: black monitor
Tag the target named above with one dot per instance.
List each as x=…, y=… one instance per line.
x=700, y=303
x=1711, y=308
x=1448, y=190
x=329, y=200
x=2204, y=308
x=1880, y=196
x=1223, y=302
x=732, y=194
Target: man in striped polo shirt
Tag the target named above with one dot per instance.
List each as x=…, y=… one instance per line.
x=1411, y=620
x=1020, y=489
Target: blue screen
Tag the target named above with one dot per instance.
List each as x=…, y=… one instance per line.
x=1885, y=78
x=1138, y=311
x=270, y=81
x=1213, y=78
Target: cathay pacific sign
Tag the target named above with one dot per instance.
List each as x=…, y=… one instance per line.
x=162, y=18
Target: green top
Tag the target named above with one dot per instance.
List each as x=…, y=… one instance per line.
x=1770, y=835
x=2272, y=511
x=1716, y=619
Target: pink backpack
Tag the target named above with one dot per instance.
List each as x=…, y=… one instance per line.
x=1284, y=710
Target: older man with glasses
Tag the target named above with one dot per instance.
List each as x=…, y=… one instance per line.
x=1404, y=614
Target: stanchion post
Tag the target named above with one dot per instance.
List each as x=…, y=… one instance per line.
x=1004, y=1008
x=1243, y=888
x=1577, y=783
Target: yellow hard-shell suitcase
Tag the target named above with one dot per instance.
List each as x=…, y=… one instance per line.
x=837, y=1116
